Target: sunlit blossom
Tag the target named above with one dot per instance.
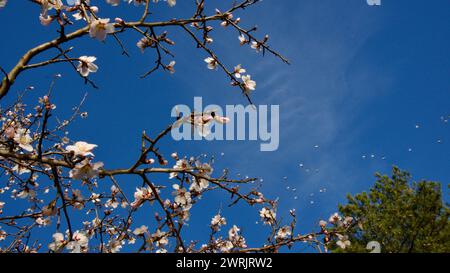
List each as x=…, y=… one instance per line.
x=99, y=28
x=85, y=170
x=81, y=148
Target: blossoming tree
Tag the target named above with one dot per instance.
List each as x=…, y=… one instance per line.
x=55, y=175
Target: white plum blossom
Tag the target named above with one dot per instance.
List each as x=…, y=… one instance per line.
x=242, y=39
x=211, y=63
x=225, y=246
x=182, y=197
x=43, y=221
x=233, y=232
x=160, y=238
x=198, y=183
x=45, y=19
x=249, y=84
x=46, y=6
x=256, y=46
x=3, y=3
x=77, y=199
x=80, y=15
x=115, y=245
x=218, y=221
x=284, y=232
x=23, y=139
x=112, y=203
x=343, y=241
x=57, y=243
x=335, y=218
x=141, y=195
x=99, y=28
x=268, y=216
x=95, y=198
x=2, y=204
x=81, y=148
x=85, y=170
x=86, y=65
x=347, y=220
x=202, y=122
x=140, y=230
x=79, y=242
x=238, y=70
x=181, y=164
x=144, y=42
x=229, y=16
x=236, y=239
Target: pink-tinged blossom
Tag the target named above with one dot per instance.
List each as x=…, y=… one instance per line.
x=99, y=28
x=45, y=19
x=79, y=242
x=141, y=195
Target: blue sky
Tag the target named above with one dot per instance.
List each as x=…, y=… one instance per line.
x=361, y=79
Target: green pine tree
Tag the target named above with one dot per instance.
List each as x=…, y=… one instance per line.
x=401, y=215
